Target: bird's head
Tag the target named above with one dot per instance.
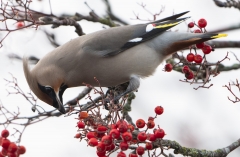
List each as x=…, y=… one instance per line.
x=45, y=84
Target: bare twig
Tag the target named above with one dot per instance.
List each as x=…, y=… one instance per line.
x=154, y=15
x=112, y=15
x=80, y=96
x=229, y=87
x=236, y=57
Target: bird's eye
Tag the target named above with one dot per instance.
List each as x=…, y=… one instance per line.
x=48, y=90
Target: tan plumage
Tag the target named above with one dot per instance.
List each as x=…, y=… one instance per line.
x=109, y=55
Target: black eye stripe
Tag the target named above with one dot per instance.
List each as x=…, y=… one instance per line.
x=50, y=92
x=61, y=91
x=42, y=88
x=47, y=90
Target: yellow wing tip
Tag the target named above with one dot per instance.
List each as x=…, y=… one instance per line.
x=219, y=36
x=167, y=25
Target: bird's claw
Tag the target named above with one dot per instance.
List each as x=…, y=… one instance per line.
x=116, y=100
x=108, y=102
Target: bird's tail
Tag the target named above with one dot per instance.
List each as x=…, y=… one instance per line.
x=195, y=38
x=209, y=36
x=180, y=41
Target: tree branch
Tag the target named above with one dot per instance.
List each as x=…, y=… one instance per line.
x=178, y=149
x=228, y=4
x=228, y=28
x=113, y=16
x=224, y=44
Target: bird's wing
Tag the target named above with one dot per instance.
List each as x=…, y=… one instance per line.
x=143, y=32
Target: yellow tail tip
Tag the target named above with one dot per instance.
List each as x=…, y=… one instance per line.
x=219, y=36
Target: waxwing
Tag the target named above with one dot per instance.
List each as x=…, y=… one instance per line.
x=114, y=56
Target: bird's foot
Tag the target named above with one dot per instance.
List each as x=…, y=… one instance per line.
x=110, y=103
x=106, y=103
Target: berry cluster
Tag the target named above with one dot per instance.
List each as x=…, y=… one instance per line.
x=10, y=149
x=197, y=58
x=110, y=137
x=206, y=49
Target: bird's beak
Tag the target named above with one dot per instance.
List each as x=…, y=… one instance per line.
x=58, y=104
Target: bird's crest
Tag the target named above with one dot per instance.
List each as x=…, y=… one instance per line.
x=32, y=82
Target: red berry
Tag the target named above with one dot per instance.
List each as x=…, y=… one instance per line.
x=150, y=124
x=80, y=125
x=140, y=123
x=168, y=67
x=123, y=128
x=91, y=135
x=202, y=23
x=190, y=57
x=5, y=143
x=1, y=155
x=142, y=136
x=207, y=49
x=140, y=150
x=150, y=118
x=21, y=149
x=83, y=115
x=121, y=122
x=102, y=129
x=111, y=147
x=107, y=140
x=100, y=135
x=198, y=58
x=78, y=135
x=113, y=126
x=94, y=125
x=191, y=25
x=197, y=31
x=131, y=127
x=12, y=147
x=20, y=24
x=133, y=155
x=127, y=136
x=149, y=146
x=93, y=142
x=189, y=75
x=121, y=154
x=101, y=154
x=151, y=137
x=185, y=69
x=5, y=133
x=4, y=152
x=158, y=110
x=159, y=133
x=114, y=133
x=12, y=154
x=123, y=146
x=200, y=45
x=101, y=147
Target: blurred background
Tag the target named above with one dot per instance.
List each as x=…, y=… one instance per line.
x=203, y=118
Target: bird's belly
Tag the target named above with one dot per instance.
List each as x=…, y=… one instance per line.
x=111, y=71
